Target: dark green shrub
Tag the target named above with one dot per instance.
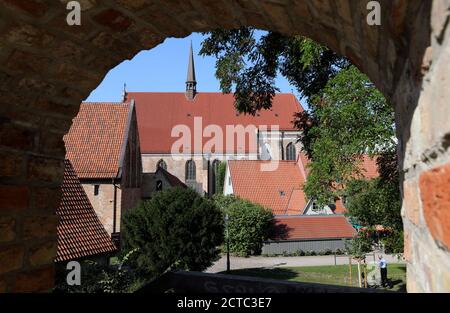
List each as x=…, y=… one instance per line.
x=248, y=226
x=176, y=229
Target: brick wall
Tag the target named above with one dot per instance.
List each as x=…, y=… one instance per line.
x=48, y=67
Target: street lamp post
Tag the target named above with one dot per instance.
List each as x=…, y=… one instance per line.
x=228, y=243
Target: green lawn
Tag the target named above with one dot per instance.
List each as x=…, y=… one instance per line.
x=332, y=274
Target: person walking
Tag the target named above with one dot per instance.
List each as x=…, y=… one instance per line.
x=383, y=270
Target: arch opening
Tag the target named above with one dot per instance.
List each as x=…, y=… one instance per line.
x=48, y=68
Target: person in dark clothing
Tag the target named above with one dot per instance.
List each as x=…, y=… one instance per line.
x=383, y=270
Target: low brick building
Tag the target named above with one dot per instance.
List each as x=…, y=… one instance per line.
x=103, y=146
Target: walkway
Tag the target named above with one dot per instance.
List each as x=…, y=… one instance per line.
x=268, y=262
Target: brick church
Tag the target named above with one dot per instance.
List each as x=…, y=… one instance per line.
x=212, y=120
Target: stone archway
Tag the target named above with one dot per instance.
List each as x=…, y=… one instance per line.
x=48, y=67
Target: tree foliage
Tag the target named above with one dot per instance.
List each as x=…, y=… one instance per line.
x=100, y=278
x=250, y=65
x=347, y=115
x=176, y=229
x=249, y=224
x=352, y=119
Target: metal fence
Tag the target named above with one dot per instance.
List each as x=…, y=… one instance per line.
x=290, y=247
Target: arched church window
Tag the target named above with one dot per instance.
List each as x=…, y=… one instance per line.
x=159, y=185
x=266, y=152
x=161, y=164
x=290, y=152
x=190, y=170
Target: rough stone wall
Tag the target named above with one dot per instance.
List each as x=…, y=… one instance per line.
x=425, y=142
x=103, y=203
x=47, y=68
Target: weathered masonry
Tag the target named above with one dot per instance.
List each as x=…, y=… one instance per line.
x=47, y=68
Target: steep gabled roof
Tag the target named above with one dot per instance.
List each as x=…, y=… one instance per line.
x=158, y=113
x=172, y=179
x=96, y=141
x=279, y=190
x=80, y=232
x=313, y=227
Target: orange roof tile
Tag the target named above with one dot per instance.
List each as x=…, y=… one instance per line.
x=339, y=207
x=94, y=142
x=80, y=232
x=297, y=202
x=279, y=190
x=313, y=227
x=158, y=112
x=369, y=167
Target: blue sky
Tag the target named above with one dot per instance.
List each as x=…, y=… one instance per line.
x=164, y=68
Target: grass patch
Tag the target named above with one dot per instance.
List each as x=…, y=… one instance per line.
x=332, y=274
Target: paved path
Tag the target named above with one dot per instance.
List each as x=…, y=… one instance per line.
x=271, y=262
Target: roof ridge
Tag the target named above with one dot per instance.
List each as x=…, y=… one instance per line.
x=106, y=102
x=204, y=92
x=312, y=216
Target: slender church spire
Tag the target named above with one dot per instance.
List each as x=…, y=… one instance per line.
x=191, y=83
x=124, y=92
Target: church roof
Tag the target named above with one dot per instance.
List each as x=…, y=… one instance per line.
x=80, y=232
x=95, y=142
x=279, y=190
x=158, y=113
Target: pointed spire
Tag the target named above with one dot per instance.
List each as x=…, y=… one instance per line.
x=124, y=92
x=191, y=83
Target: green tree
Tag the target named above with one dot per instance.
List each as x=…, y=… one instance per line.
x=176, y=229
x=347, y=115
x=249, y=65
x=377, y=202
x=249, y=224
x=353, y=118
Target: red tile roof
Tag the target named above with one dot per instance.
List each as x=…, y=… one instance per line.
x=297, y=202
x=339, y=207
x=313, y=227
x=80, y=232
x=369, y=167
x=94, y=142
x=158, y=113
x=279, y=190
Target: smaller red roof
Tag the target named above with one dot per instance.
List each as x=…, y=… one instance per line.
x=278, y=189
x=339, y=207
x=297, y=202
x=80, y=232
x=369, y=167
x=313, y=227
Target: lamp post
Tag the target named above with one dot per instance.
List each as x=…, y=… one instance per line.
x=228, y=243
